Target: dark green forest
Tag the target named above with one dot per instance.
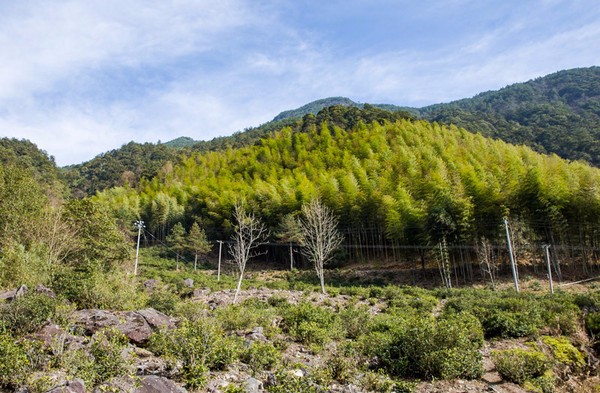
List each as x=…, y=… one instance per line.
x=557, y=113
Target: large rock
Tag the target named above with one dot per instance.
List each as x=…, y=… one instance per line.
x=76, y=386
x=130, y=323
x=147, y=384
x=156, y=319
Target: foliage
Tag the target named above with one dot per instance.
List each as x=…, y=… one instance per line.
x=564, y=352
x=288, y=382
x=554, y=114
x=119, y=167
x=508, y=314
x=200, y=345
x=261, y=356
x=102, y=362
x=423, y=347
x=28, y=313
x=520, y=365
x=310, y=324
x=95, y=288
x=410, y=182
x=14, y=363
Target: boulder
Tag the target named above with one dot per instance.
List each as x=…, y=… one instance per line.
x=75, y=386
x=188, y=282
x=21, y=291
x=253, y=385
x=7, y=295
x=156, y=319
x=147, y=384
x=130, y=323
x=154, y=384
x=45, y=291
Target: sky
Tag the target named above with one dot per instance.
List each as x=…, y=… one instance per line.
x=79, y=78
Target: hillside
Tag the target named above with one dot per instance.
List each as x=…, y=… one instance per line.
x=404, y=183
x=558, y=113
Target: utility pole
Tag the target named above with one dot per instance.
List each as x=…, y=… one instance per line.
x=219, y=266
x=547, y=248
x=512, y=256
x=139, y=224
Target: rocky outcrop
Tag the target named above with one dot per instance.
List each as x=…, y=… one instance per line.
x=147, y=384
x=76, y=386
x=137, y=326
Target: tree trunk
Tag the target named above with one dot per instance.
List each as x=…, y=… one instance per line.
x=239, y=286
x=291, y=257
x=195, y=262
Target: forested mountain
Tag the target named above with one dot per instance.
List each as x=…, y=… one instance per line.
x=315, y=107
x=126, y=165
x=393, y=181
x=558, y=113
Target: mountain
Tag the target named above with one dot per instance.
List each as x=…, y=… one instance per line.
x=558, y=113
x=126, y=165
x=181, y=142
x=397, y=180
x=315, y=107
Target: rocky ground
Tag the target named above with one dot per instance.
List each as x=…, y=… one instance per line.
x=150, y=373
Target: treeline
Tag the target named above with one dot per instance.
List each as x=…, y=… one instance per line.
x=558, y=113
x=391, y=182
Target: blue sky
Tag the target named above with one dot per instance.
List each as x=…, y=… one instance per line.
x=79, y=78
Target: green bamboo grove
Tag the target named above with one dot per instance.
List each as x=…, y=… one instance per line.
x=403, y=184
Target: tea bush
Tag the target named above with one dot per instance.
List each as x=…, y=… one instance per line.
x=261, y=356
x=311, y=324
x=28, y=313
x=519, y=365
x=201, y=345
x=425, y=347
x=14, y=363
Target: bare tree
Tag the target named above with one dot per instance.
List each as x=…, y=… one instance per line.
x=320, y=235
x=249, y=233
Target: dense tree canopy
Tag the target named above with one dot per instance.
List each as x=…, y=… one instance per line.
x=407, y=181
x=559, y=113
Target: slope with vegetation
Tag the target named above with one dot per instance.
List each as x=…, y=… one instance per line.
x=392, y=182
x=558, y=113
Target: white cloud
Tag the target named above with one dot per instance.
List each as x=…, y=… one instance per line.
x=79, y=78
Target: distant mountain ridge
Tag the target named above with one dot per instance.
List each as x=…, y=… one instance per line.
x=558, y=113
x=315, y=107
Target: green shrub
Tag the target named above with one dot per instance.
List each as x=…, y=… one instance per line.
x=355, y=320
x=261, y=356
x=28, y=313
x=519, y=365
x=244, y=316
x=423, y=347
x=564, y=352
x=311, y=324
x=507, y=324
x=200, y=345
x=287, y=382
x=96, y=288
x=592, y=323
x=14, y=362
x=164, y=301
x=102, y=362
x=377, y=382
